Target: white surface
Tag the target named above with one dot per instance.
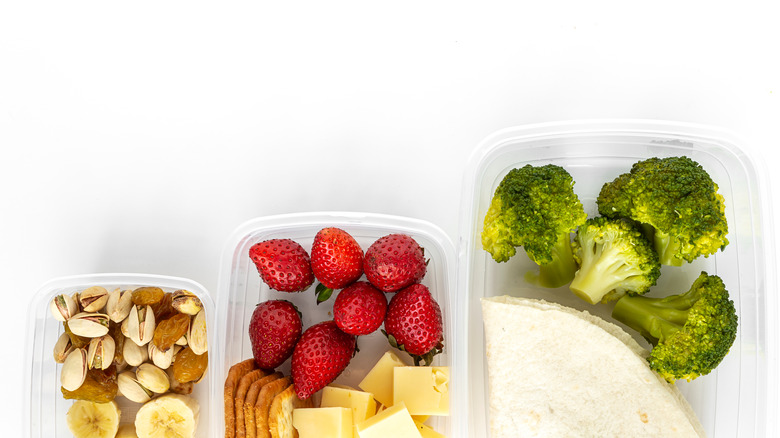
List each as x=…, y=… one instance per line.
x=137, y=137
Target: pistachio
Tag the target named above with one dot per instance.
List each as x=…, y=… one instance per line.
x=120, y=365
x=133, y=354
x=182, y=341
x=100, y=354
x=74, y=370
x=197, y=337
x=93, y=299
x=152, y=378
x=63, y=307
x=131, y=389
x=141, y=325
x=186, y=302
x=179, y=387
x=63, y=348
x=119, y=304
x=88, y=325
x=162, y=359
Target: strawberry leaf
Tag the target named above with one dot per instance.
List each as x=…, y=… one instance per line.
x=323, y=293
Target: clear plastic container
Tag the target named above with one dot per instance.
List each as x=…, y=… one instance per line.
x=241, y=289
x=740, y=397
x=45, y=408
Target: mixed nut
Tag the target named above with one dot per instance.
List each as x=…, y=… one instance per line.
x=128, y=342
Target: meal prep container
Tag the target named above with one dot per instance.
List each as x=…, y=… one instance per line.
x=739, y=398
x=45, y=407
x=241, y=289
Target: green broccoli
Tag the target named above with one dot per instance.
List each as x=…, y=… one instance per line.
x=535, y=207
x=691, y=332
x=615, y=258
x=676, y=201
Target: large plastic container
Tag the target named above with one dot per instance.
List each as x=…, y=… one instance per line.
x=45, y=408
x=241, y=289
x=740, y=397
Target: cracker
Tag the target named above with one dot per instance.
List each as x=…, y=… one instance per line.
x=263, y=404
x=241, y=390
x=251, y=400
x=231, y=382
x=280, y=414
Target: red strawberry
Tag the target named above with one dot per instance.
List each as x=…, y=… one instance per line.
x=283, y=264
x=413, y=323
x=336, y=259
x=359, y=309
x=394, y=262
x=274, y=329
x=321, y=354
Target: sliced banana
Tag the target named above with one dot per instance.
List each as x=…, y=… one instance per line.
x=93, y=420
x=170, y=415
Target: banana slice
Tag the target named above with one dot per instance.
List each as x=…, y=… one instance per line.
x=93, y=420
x=168, y=416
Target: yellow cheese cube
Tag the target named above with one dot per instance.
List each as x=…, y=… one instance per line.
x=379, y=381
x=323, y=422
x=362, y=403
x=424, y=390
x=392, y=422
x=427, y=431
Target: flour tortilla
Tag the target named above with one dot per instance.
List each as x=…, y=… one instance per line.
x=558, y=372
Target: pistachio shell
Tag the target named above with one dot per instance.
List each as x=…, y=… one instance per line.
x=100, y=354
x=63, y=307
x=141, y=324
x=93, y=299
x=182, y=342
x=74, y=370
x=63, y=348
x=89, y=325
x=119, y=304
x=197, y=337
x=152, y=378
x=133, y=354
x=186, y=302
x=161, y=359
x=131, y=389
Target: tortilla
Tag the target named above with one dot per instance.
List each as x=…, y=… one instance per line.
x=555, y=371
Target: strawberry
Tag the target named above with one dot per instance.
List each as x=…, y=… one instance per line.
x=413, y=323
x=274, y=329
x=359, y=309
x=321, y=354
x=283, y=264
x=336, y=259
x=394, y=262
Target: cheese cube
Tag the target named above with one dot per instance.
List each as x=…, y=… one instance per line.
x=323, y=422
x=362, y=403
x=424, y=390
x=392, y=422
x=427, y=431
x=379, y=381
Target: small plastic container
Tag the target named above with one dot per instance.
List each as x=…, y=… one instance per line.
x=241, y=289
x=739, y=398
x=45, y=407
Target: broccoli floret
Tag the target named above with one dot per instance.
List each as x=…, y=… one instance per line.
x=676, y=201
x=691, y=332
x=535, y=207
x=615, y=258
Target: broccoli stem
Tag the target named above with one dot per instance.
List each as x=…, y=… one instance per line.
x=602, y=271
x=654, y=318
x=668, y=249
x=561, y=270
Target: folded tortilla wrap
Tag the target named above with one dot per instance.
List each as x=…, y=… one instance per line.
x=558, y=372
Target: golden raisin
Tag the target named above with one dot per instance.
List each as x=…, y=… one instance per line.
x=76, y=340
x=100, y=386
x=170, y=330
x=115, y=330
x=164, y=308
x=145, y=296
x=188, y=366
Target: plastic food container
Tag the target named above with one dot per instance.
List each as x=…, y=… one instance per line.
x=241, y=289
x=739, y=398
x=45, y=407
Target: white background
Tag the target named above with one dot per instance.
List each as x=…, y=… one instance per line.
x=136, y=137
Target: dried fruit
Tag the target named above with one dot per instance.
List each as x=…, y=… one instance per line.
x=164, y=309
x=179, y=387
x=100, y=386
x=145, y=296
x=188, y=366
x=93, y=299
x=170, y=330
x=76, y=340
x=115, y=330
